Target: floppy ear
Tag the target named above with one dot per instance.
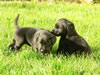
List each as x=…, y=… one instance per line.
x=36, y=37
x=70, y=28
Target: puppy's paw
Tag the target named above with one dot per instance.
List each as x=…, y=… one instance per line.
x=11, y=46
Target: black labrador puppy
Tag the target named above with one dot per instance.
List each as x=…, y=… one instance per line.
x=70, y=41
x=41, y=40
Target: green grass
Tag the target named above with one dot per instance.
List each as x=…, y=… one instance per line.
x=87, y=23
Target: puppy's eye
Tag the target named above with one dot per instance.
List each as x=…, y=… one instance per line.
x=42, y=42
x=57, y=26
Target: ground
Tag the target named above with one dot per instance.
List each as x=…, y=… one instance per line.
x=44, y=15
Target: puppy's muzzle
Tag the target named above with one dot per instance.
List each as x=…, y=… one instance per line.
x=55, y=32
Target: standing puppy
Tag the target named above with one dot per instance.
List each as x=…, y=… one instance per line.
x=70, y=41
x=41, y=40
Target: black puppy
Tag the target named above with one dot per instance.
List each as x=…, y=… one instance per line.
x=70, y=41
x=40, y=39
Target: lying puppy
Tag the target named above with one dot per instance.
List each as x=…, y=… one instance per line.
x=41, y=40
x=70, y=41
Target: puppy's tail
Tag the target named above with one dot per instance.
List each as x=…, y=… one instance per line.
x=16, y=22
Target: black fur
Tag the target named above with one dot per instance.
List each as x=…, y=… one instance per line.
x=32, y=37
x=70, y=41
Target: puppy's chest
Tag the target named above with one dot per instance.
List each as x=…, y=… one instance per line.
x=69, y=44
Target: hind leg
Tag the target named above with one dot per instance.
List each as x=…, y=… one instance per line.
x=11, y=46
x=19, y=42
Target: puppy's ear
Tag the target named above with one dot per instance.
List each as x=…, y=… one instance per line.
x=37, y=36
x=70, y=28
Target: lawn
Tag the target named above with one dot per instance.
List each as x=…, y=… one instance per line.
x=44, y=15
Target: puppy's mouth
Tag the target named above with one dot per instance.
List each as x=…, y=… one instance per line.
x=56, y=34
x=42, y=51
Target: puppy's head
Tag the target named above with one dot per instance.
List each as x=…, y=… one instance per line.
x=44, y=41
x=63, y=27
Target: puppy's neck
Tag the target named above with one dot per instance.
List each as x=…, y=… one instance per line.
x=68, y=35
